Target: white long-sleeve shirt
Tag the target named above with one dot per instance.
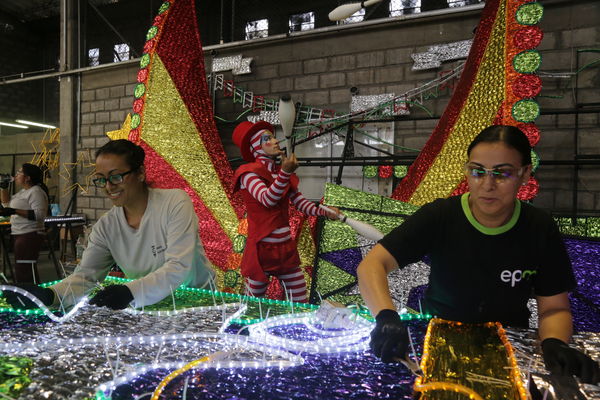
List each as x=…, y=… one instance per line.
x=34, y=199
x=164, y=252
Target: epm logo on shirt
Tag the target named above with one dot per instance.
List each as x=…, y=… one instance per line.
x=516, y=276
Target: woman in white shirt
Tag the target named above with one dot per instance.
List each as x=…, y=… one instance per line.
x=152, y=234
x=27, y=210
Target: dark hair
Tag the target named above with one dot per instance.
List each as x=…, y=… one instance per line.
x=511, y=136
x=134, y=154
x=36, y=175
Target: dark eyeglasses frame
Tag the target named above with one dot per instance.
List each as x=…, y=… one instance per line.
x=115, y=179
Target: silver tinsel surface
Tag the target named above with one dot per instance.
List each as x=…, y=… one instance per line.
x=237, y=64
x=362, y=103
x=99, y=345
x=528, y=354
x=93, y=321
x=271, y=117
x=79, y=370
x=402, y=280
x=434, y=55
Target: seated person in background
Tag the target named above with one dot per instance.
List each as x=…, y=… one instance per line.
x=152, y=234
x=489, y=252
x=27, y=208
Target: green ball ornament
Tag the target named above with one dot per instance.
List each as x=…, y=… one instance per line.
x=400, y=171
x=527, y=62
x=135, y=121
x=239, y=243
x=230, y=278
x=151, y=32
x=525, y=110
x=370, y=171
x=164, y=7
x=530, y=13
x=145, y=60
x=535, y=161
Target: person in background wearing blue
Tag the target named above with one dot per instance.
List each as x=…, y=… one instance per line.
x=151, y=234
x=27, y=210
x=489, y=253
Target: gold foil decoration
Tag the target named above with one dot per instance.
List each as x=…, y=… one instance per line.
x=122, y=133
x=179, y=143
x=474, y=359
x=306, y=250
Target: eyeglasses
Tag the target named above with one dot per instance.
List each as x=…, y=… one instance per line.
x=114, y=179
x=499, y=175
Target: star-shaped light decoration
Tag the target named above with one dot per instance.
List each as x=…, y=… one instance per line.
x=122, y=133
x=47, y=154
x=84, y=160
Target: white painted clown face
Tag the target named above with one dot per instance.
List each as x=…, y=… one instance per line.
x=269, y=144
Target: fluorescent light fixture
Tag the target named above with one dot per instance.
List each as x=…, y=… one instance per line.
x=13, y=125
x=22, y=121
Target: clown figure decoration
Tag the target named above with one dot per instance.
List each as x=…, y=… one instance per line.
x=267, y=187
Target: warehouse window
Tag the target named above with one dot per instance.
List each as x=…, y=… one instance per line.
x=302, y=22
x=121, y=52
x=257, y=29
x=402, y=7
x=94, y=57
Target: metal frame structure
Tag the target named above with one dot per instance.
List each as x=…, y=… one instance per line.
x=348, y=158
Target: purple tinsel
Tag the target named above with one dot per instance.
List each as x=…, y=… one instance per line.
x=346, y=259
x=347, y=376
x=585, y=300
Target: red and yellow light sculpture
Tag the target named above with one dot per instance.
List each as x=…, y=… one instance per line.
x=497, y=86
x=173, y=121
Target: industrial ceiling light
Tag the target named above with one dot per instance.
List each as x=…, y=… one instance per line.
x=13, y=125
x=346, y=10
x=22, y=121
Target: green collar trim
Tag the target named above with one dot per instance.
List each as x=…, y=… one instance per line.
x=484, y=229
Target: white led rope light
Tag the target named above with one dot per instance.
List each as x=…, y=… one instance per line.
x=227, y=321
x=168, y=313
x=288, y=359
x=350, y=341
x=42, y=306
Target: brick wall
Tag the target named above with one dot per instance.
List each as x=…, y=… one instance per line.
x=106, y=98
x=319, y=69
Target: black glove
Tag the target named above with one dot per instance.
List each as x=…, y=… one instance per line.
x=7, y=211
x=116, y=297
x=389, y=339
x=21, y=302
x=560, y=359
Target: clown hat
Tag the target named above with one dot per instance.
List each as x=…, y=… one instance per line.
x=243, y=133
